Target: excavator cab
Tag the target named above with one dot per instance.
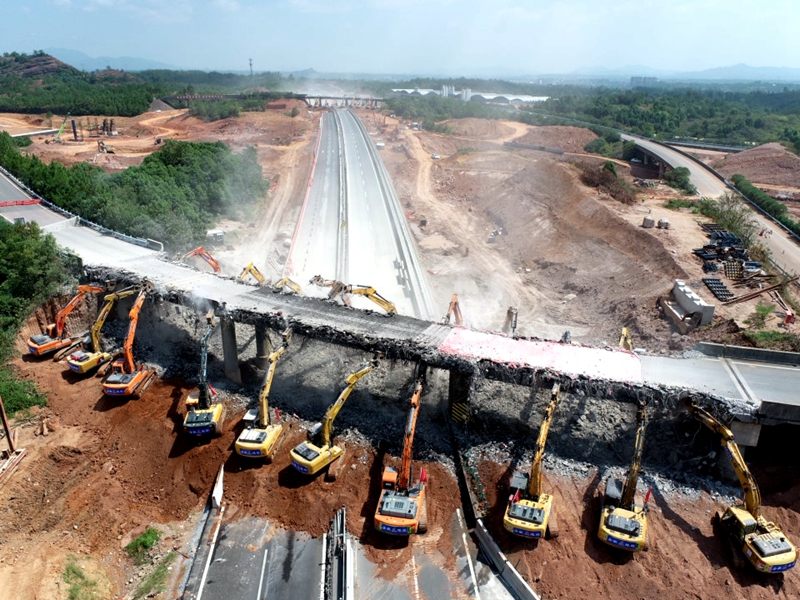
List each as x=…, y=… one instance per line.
x=318, y=452
x=55, y=337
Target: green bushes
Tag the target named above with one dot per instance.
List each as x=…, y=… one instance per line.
x=139, y=547
x=173, y=196
x=679, y=178
x=768, y=204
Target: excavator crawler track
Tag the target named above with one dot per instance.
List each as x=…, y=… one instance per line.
x=333, y=470
x=139, y=391
x=422, y=525
x=65, y=352
x=552, y=526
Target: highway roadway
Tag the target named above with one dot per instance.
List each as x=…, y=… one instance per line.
x=352, y=227
x=783, y=246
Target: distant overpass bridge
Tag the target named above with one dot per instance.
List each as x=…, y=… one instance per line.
x=343, y=101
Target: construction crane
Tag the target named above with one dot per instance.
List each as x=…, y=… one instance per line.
x=251, y=269
x=454, y=310
x=313, y=455
x=530, y=510
x=204, y=417
x=56, y=337
x=285, y=282
x=81, y=361
x=206, y=256
x=749, y=534
x=261, y=438
x=128, y=378
x=343, y=290
x=623, y=521
x=403, y=507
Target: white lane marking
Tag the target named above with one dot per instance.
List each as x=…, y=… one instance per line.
x=323, y=564
x=476, y=592
x=743, y=381
x=210, y=555
x=735, y=379
x=764, y=366
x=261, y=579
x=416, y=583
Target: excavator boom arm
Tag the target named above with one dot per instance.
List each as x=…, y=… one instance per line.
x=61, y=317
x=404, y=479
x=333, y=409
x=251, y=269
x=206, y=256
x=752, y=495
x=110, y=299
x=535, y=481
x=263, y=397
x=130, y=365
x=203, y=400
x=629, y=490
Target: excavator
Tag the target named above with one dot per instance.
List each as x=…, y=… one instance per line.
x=285, y=282
x=530, y=510
x=748, y=532
x=623, y=521
x=343, y=290
x=313, y=455
x=261, y=438
x=204, y=417
x=402, y=507
x=128, y=378
x=251, y=269
x=81, y=361
x=206, y=256
x=56, y=337
x=454, y=310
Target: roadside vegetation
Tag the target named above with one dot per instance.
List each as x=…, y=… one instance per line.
x=81, y=586
x=775, y=209
x=174, y=196
x=156, y=581
x=139, y=549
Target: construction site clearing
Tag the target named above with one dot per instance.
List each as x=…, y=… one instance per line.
x=99, y=471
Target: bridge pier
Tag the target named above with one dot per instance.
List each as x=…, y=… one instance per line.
x=230, y=351
x=262, y=345
x=458, y=394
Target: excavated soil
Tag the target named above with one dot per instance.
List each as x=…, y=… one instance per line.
x=569, y=139
x=769, y=163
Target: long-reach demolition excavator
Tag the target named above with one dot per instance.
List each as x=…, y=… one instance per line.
x=343, y=290
x=285, y=282
x=748, y=533
x=403, y=507
x=279, y=285
x=204, y=417
x=313, y=455
x=56, y=336
x=128, y=378
x=81, y=361
x=530, y=510
x=261, y=438
x=623, y=521
x=206, y=256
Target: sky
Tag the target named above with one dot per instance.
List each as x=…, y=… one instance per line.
x=436, y=37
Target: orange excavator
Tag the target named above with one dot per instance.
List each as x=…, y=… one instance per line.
x=128, y=378
x=454, y=310
x=206, y=256
x=403, y=508
x=56, y=337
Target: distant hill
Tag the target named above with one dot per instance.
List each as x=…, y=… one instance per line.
x=32, y=66
x=84, y=62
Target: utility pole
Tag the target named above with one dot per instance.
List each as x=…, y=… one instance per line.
x=251, y=67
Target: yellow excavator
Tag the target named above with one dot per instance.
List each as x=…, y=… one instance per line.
x=530, y=510
x=344, y=291
x=403, y=507
x=127, y=378
x=251, y=269
x=81, y=361
x=204, y=417
x=623, y=521
x=56, y=337
x=749, y=534
x=313, y=455
x=261, y=438
x=285, y=282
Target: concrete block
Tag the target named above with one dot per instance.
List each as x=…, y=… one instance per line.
x=690, y=302
x=746, y=434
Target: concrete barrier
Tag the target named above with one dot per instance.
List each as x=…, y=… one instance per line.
x=745, y=353
x=71, y=222
x=505, y=569
x=691, y=303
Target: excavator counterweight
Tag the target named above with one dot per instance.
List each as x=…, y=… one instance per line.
x=530, y=510
x=750, y=535
x=56, y=337
x=261, y=438
x=623, y=521
x=402, y=507
x=312, y=456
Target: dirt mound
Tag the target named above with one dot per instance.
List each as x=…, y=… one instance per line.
x=478, y=128
x=569, y=139
x=769, y=163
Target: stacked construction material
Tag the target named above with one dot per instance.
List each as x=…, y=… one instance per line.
x=719, y=289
